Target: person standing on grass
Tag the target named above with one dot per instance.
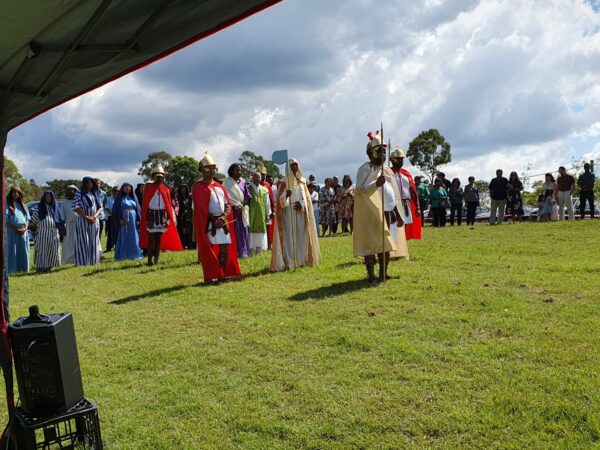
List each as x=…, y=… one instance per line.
x=410, y=196
x=295, y=242
x=437, y=198
x=586, y=182
x=565, y=188
x=213, y=220
x=423, y=192
x=346, y=204
x=127, y=216
x=456, y=195
x=239, y=195
x=375, y=181
x=88, y=206
x=157, y=228
x=17, y=228
x=267, y=181
x=471, y=196
x=110, y=201
x=184, y=219
x=549, y=189
x=260, y=212
x=514, y=200
x=50, y=226
x=327, y=207
x=314, y=199
x=71, y=219
x=498, y=190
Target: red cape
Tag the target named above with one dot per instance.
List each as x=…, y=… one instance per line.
x=170, y=239
x=208, y=252
x=272, y=226
x=413, y=230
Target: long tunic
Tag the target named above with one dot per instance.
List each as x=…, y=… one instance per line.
x=47, y=240
x=70, y=237
x=367, y=237
x=17, y=245
x=87, y=243
x=260, y=210
x=294, y=230
x=128, y=241
x=239, y=196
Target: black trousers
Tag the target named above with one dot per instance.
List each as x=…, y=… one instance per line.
x=583, y=196
x=471, y=211
x=456, y=210
x=439, y=216
x=110, y=239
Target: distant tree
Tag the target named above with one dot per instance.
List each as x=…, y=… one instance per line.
x=182, y=170
x=31, y=190
x=428, y=151
x=484, y=191
x=153, y=159
x=11, y=173
x=59, y=186
x=251, y=163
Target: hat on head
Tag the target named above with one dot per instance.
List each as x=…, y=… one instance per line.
x=207, y=160
x=398, y=153
x=158, y=170
x=262, y=169
x=375, y=144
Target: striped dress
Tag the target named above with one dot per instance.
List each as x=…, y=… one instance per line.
x=47, y=240
x=87, y=245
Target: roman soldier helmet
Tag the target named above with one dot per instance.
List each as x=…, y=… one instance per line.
x=263, y=169
x=398, y=153
x=158, y=171
x=207, y=161
x=375, y=144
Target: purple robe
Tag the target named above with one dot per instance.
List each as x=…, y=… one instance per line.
x=241, y=230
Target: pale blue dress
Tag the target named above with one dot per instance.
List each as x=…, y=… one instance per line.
x=17, y=246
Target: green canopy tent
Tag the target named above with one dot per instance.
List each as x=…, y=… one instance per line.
x=52, y=51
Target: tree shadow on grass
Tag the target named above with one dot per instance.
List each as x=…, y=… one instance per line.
x=333, y=290
x=150, y=294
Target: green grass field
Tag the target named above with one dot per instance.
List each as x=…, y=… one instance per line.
x=488, y=338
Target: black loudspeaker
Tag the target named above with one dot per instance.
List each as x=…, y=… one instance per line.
x=46, y=363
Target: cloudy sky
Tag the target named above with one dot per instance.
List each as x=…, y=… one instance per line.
x=509, y=83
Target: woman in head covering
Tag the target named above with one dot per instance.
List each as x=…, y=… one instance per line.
x=126, y=214
x=295, y=241
x=50, y=225
x=88, y=206
x=17, y=236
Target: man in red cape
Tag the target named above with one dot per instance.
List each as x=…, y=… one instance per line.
x=268, y=185
x=412, y=229
x=214, y=230
x=158, y=229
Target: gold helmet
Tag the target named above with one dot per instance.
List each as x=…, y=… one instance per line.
x=207, y=161
x=158, y=171
x=263, y=169
x=398, y=153
x=375, y=145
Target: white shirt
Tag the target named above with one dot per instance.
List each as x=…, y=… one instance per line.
x=157, y=203
x=216, y=206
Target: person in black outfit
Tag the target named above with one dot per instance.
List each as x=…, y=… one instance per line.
x=455, y=193
x=498, y=190
x=471, y=195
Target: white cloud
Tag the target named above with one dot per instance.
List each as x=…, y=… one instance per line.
x=509, y=83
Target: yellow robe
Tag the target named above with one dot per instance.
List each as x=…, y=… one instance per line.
x=368, y=216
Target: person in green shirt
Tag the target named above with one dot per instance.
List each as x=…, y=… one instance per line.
x=423, y=192
x=439, y=199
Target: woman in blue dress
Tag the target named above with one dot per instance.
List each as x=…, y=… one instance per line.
x=87, y=206
x=17, y=236
x=126, y=215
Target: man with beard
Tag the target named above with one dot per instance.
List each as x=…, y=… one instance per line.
x=237, y=189
x=409, y=194
x=372, y=235
x=213, y=218
x=157, y=228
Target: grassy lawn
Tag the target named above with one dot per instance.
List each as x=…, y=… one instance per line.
x=488, y=338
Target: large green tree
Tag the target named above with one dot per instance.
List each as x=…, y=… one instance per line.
x=11, y=173
x=153, y=159
x=182, y=170
x=251, y=163
x=428, y=151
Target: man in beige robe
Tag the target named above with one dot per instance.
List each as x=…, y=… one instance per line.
x=372, y=235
